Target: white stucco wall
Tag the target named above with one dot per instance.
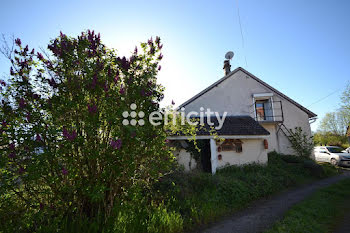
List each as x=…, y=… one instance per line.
x=252, y=152
x=184, y=159
x=235, y=96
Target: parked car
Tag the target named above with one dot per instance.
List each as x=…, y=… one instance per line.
x=347, y=150
x=333, y=155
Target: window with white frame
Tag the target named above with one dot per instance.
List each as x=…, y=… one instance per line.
x=263, y=106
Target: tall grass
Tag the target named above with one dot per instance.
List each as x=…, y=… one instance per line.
x=180, y=201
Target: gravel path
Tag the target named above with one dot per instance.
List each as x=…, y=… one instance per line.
x=263, y=214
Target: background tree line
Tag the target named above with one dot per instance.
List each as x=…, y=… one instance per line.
x=333, y=126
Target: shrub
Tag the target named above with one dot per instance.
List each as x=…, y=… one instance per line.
x=302, y=144
x=64, y=148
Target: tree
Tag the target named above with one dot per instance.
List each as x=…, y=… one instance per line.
x=64, y=147
x=334, y=122
x=301, y=143
x=333, y=126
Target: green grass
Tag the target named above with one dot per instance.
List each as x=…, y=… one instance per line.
x=318, y=213
x=201, y=198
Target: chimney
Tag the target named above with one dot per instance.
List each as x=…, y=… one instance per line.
x=227, y=67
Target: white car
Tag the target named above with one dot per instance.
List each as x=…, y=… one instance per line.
x=347, y=150
x=333, y=155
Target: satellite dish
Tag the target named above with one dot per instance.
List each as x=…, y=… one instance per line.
x=229, y=55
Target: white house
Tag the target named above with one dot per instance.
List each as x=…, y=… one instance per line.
x=257, y=122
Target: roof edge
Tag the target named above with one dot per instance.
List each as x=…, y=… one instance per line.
x=310, y=113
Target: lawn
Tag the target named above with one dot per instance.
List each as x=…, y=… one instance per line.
x=318, y=213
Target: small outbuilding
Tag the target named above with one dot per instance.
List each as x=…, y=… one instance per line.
x=241, y=140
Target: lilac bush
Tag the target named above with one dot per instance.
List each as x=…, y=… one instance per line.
x=63, y=147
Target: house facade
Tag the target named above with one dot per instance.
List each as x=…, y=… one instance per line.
x=241, y=94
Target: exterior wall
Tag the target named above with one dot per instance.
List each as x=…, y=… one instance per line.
x=184, y=158
x=293, y=117
x=235, y=96
x=252, y=152
x=272, y=140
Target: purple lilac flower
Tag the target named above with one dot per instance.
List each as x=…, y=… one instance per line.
x=159, y=67
x=62, y=35
x=21, y=170
x=22, y=103
x=122, y=90
x=157, y=40
x=92, y=109
x=12, y=155
x=143, y=93
x=172, y=102
x=32, y=52
x=160, y=46
x=123, y=63
x=72, y=135
x=40, y=56
x=12, y=146
x=11, y=71
x=106, y=88
x=135, y=50
x=152, y=50
x=18, y=42
x=132, y=59
x=65, y=132
x=64, y=171
x=116, y=77
x=117, y=144
x=38, y=138
x=3, y=83
x=160, y=56
x=150, y=41
x=69, y=136
x=52, y=83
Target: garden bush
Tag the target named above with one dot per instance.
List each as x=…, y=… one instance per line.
x=65, y=152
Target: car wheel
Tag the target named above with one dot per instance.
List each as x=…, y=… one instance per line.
x=334, y=162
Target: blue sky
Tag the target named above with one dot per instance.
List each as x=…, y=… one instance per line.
x=302, y=48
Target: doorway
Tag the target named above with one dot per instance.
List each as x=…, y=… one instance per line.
x=205, y=155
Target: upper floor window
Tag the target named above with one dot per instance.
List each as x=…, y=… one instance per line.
x=264, y=111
